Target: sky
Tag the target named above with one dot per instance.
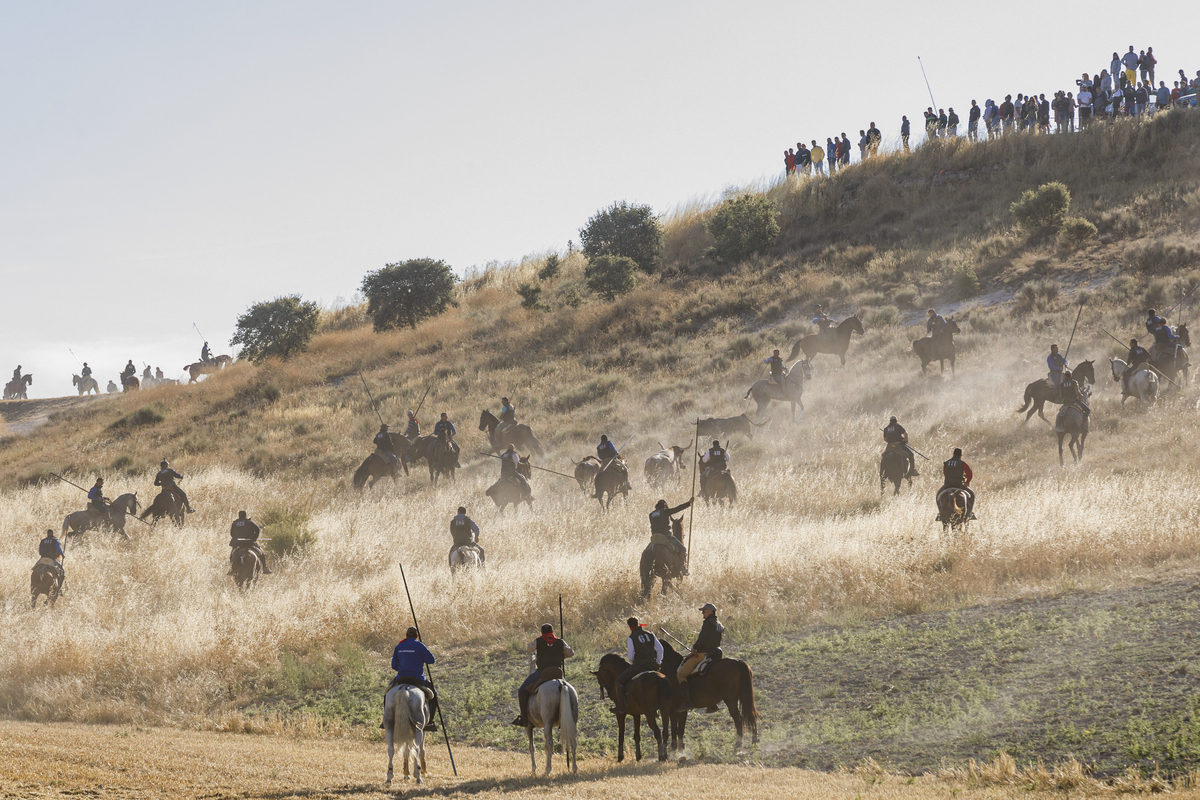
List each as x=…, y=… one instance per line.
x=165, y=165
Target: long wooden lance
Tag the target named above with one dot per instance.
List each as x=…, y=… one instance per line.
x=80, y=488
x=668, y=633
x=531, y=466
x=1073, y=327
x=619, y=449
x=372, y=399
x=1147, y=363
x=1185, y=297
x=692, y=508
x=562, y=634
x=427, y=388
x=428, y=669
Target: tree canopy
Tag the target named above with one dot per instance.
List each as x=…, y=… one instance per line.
x=624, y=230
x=408, y=292
x=279, y=328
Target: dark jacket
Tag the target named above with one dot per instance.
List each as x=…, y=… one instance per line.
x=383, y=440
x=243, y=532
x=410, y=657
x=463, y=530
x=550, y=655
x=894, y=432
x=167, y=477
x=660, y=518
x=50, y=547
x=709, y=638
x=645, y=647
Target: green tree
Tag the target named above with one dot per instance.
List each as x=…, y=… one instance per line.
x=624, y=230
x=1044, y=210
x=276, y=329
x=408, y=292
x=609, y=276
x=743, y=226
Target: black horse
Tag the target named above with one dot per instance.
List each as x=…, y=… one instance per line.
x=660, y=560
x=1041, y=392
x=894, y=466
x=439, y=453
x=835, y=341
x=938, y=348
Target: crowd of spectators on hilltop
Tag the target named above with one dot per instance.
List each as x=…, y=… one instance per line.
x=1124, y=89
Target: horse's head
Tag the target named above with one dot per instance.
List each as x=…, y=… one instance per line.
x=1117, y=366
x=1085, y=370
x=677, y=527
x=854, y=323
x=487, y=422
x=524, y=468
x=1185, y=338
x=74, y=380
x=952, y=326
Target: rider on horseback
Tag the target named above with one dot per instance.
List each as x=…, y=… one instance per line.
x=166, y=478
x=957, y=475
x=1137, y=356
x=464, y=531
x=822, y=322
x=414, y=427
x=409, y=660
x=86, y=372
x=1071, y=392
x=1056, y=363
x=146, y=374
x=549, y=662
x=510, y=462
x=1153, y=320
x=645, y=653
x=895, y=436
x=1165, y=341
x=716, y=458
x=97, y=502
x=660, y=529
x=607, y=452
x=708, y=640
x=243, y=535
x=158, y=373
x=205, y=354
x=17, y=373
x=384, y=447
x=51, y=555
x=445, y=431
x=508, y=415
x=127, y=373
x=776, y=362
x=935, y=323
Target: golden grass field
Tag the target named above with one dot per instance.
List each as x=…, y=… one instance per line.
x=151, y=632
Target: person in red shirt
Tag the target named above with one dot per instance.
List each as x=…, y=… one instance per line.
x=957, y=474
x=789, y=162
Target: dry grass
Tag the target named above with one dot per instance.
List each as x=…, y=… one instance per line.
x=45, y=761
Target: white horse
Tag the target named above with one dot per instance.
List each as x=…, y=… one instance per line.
x=80, y=521
x=405, y=715
x=464, y=557
x=1142, y=384
x=556, y=703
x=790, y=391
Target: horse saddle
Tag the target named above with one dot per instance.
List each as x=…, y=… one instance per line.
x=46, y=562
x=548, y=674
x=425, y=690
x=701, y=669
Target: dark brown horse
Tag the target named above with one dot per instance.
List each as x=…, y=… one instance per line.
x=1041, y=392
x=954, y=508
x=376, y=466
x=519, y=436
x=167, y=504
x=1174, y=362
x=648, y=695
x=719, y=488
x=15, y=389
x=611, y=481
x=246, y=567
x=729, y=681
x=42, y=581
x=199, y=368
x=585, y=472
x=894, y=467
x=439, y=454
x=660, y=560
x=835, y=341
x=505, y=492
x=938, y=348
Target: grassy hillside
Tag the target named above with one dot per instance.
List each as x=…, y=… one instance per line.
x=151, y=630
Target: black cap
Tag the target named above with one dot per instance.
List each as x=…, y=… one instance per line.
x=241, y=515
x=957, y=452
x=716, y=442
x=708, y=607
x=462, y=509
x=893, y=419
x=661, y=504
x=547, y=628
x=632, y=622
x=411, y=633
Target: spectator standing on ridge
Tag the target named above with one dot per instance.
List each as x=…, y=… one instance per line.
x=1130, y=61
x=973, y=122
x=1070, y=112
x=831, y=149
x=803, y=158
x=1006, y=114
x=818, y=157
x=874, y=137
x=862, y=145
x=904, y=129
x=1162, y=98
x=789, y=163
x=1043, y=111
x=952, y=122
x=942, y=121
x=930, y=124
x=1140, y=98
x=1114, y=66
x=844, y=150
x=1148, y=66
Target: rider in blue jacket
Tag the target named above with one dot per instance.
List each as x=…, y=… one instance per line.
x=409, y=659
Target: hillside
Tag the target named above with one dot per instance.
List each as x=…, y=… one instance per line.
x=152, y=631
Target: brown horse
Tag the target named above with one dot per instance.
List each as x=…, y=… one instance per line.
x=167, y=504
x=719, y=488
x=199, y=368
x=611, y=481
x=42, y=581
x=648, y=694
x=586, y=471
x=1041, y=392
x=894, y=467
x=130, y=384
x=15, y=389
x=519, y=436
x=955, y=508
x=376, y=466
x=505, y=492
x=439, y=454
x=729, y=681
x=246, y=567
x=938, y=348
x=660, y=560
x=835, y=341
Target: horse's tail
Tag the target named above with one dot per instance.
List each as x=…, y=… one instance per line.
x=746, y=698
x=795, y=350
x=536, y=446
x=732, y=490
x=747, y=394
x=1028, y=400
x=402, y=721
x=568, y=717
x=362, y=473
x=66, y=525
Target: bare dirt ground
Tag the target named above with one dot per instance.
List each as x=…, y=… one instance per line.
x=23, y=416
x=44, y=761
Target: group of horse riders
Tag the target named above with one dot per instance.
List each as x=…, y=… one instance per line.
x=166, y=479
x=956, y=473
x=443, y=429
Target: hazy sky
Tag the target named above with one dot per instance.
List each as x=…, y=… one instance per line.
x=164, y=164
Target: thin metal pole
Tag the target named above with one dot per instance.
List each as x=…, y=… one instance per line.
x=1077, y=316
x=562, y=634
x=417, y=625
x=199, y=332
x=692, y=508
x=72, y=352
x=372, y=399
x=926, y=77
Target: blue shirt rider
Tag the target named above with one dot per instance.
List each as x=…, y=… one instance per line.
x=464, y=531
x=776, y=364
x=50, y=549
x=86, y=372
x=409, y=659
x=606, y=450
x=445, y=428
x=205, y=354
x=1153, y=321
x=1055, y=363
x=935, y=323
x=97, y=502
x=414, y=427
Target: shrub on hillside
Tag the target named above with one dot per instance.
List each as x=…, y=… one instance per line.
x=407, y=292
x=627, y=231
x=1075, y=233
x=966, y=282
x=906, y=298
x=276, y=329
x=288, y=531
x=743, y=226
x=1037, y=296
x=1158, y=257
x=531, y=296
x=610, y=276
x=1044, y=209
x=146, y=415
x=550, y=269
x=885, y=315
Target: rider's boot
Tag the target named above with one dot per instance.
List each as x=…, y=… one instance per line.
x=912, y=468
x=522, y=720
x=265, y=569
x=620, y=709
x=431, y=725
x=685, y=697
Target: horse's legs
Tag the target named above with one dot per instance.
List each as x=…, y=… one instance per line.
x=1061, y=436
x=390, y=735
x=549, y=736
x=637, y=736
x=532, y=754
x=660, y=738
x=738, y=723
x=620, y=738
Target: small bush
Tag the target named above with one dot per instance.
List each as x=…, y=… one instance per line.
x=288, y=530
x=624, y=231
x=531, y=296
x=1157, y=293
x=550, y=269
x=853, y=258
x=887, y=315
x=123, y=462
x=1120, y=223
x=906, y=298
x=743, y=226
x=270, y=392
x=876, y=299
x=966, y=282
x=594, y=391
x=772, y=313
x=742, y=346
x=146, y=415
x=995, y=247
x=1037, y=296
x=1158, y=257
x=1075, y=233
x=610, y=276
x=1044, y=209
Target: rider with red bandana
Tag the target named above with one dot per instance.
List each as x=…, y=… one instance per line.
x=957, y=475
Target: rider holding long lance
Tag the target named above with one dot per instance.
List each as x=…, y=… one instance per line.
x=550, y=654
x=608, y=453
x=660, y=529
x=409, y=659
x=895, y=436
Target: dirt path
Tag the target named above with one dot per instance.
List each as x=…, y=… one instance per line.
x=53, y=761
x=22, y=417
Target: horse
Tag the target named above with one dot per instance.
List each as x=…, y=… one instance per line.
x=465, y=556
x=661, y=560
x=666, y=463
x=43, y=581
x=86, y=520
x=15, y=389
x=648, y=695
x=246, y=567
x=894, y=467
x=85, y=385
x=376, y=466
x=1072, y=420
x=519, y=436
x=130, y=384
x=953, y=506
x=835, y=341
x=719, y=488
x=167, y=504
x=1142, y=384
x=1038, y=393
x=199, y=368
x=727, y=680
x=611, y=480
x=586, y=471
x=555, y=704
x=790, y=391
x=938, y=348
x=438, y=453
x=405, y=715
x=505, y=492
x=1175, y=362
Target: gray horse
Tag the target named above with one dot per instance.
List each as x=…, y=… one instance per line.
x=764, y=391
x=86, y=520
x=85, y=385
x=1071, y=420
